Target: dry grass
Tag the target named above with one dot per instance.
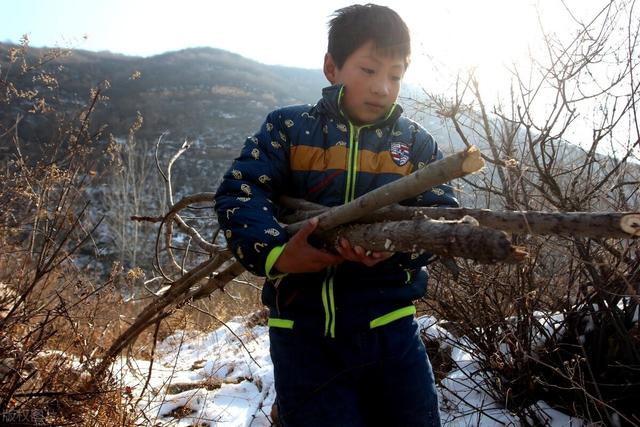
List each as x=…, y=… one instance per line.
x=53, y=323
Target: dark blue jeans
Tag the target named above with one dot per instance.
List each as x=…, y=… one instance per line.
x=381, y=377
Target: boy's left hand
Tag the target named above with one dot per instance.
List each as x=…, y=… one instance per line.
x=358, y=254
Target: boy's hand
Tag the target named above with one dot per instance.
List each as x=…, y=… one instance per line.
x=300, y=257
x=358, y=254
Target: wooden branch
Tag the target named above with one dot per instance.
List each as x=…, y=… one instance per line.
x=172, y=215
x=579, y=224
x=218, y=281
x=177, y=294
x=433, y=174
x=447, y=238
x=178, y=219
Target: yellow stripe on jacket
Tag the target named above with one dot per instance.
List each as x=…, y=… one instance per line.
x=304, y=158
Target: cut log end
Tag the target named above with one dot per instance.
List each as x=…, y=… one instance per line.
x=468, y=219
x=630, y=224
x=473, y=161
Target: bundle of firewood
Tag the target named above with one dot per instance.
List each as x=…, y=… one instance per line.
x=378, y=223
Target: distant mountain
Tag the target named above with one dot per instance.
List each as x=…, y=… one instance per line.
x=203, y=93
x=210, y=96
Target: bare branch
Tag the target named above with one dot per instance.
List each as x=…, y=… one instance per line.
x=578, y=224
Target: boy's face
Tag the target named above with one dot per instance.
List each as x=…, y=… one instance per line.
x=371, y=80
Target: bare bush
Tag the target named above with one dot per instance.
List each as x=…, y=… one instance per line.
x=52, y=323
x=563, y=326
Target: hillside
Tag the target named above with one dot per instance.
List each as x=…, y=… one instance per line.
x=203, y=93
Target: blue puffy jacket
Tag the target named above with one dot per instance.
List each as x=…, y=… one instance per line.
x=315, y=153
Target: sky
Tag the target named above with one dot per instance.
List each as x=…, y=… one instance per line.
x=458, y=33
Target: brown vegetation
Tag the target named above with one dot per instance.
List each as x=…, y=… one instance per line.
x=53, y=325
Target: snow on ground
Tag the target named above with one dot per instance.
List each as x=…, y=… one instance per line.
x=225, y=379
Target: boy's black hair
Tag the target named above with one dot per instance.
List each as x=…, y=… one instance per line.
x=355, y=25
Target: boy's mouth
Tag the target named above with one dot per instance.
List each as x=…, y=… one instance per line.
x=375, y=106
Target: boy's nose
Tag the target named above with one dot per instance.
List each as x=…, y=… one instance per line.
x=380, y=87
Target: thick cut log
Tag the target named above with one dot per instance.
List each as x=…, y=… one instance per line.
x=579, y=224
x=446, y=238
x=433, y=174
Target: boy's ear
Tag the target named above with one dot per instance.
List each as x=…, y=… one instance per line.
x=329, y=68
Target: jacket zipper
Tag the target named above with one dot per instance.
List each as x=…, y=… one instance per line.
x=328, y=300
x=352, y=162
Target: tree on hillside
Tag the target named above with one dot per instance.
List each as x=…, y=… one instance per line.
x=132, y=188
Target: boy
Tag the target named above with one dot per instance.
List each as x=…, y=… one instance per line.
x=345, y=346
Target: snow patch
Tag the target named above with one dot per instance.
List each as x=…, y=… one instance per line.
x=224, y=378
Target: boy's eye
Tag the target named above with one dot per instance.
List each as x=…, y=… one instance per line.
x=367, y=70
x=396, y=78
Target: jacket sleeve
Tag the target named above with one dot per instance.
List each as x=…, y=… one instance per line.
x=424, y=151
x=244, y=200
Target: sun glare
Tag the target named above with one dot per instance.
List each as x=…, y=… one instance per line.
x=485, y=36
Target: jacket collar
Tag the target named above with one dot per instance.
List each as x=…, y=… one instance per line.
x=330, y=105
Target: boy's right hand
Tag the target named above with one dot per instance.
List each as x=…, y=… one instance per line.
x=300, y=257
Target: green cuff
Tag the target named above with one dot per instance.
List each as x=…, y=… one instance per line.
x=280, y=323
x=273, y=256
